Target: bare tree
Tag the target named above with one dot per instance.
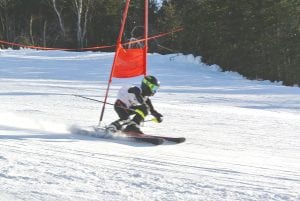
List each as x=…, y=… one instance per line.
x=30, y=29
x=59, y=16
x=5, y=19
x=44, y=33
x=81, y=9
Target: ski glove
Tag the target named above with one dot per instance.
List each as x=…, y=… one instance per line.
x=157, y=116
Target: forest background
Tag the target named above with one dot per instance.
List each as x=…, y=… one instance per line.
x=258, y=39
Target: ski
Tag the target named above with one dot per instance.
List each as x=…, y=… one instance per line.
x=171, y=139
x=102, y=133
x=132, y=136
x=151, y=140
x=153, y=137
x=140, y=137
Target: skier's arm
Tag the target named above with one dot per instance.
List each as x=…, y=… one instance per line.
x=153, y=112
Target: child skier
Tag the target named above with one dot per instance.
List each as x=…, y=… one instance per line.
x=135, y=101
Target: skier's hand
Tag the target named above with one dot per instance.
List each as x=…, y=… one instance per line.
x=158, y=116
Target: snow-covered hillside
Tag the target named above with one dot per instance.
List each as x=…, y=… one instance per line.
x=243, y=137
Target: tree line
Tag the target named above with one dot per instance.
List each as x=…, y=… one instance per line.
x=259, y=39
x=67, y=23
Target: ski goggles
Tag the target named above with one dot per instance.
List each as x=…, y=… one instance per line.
x=152, y=87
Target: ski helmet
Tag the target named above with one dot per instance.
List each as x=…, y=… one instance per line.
x=150, y=85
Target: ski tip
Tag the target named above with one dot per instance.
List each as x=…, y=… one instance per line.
x=181, y=140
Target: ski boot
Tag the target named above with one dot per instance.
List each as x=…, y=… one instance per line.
x=113, y=127
x=132, y=128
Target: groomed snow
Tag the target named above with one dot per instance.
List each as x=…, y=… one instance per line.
x=243, y=137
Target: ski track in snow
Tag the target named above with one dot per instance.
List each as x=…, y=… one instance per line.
x=242, y=136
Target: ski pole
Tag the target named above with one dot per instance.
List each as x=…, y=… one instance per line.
x=153, y=120
x=92, y=99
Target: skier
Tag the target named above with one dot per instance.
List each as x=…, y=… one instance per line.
x=135, y=101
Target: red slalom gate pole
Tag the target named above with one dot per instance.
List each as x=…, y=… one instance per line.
x=116, y=55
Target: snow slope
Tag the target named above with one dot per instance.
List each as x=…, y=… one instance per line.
x=243, y=137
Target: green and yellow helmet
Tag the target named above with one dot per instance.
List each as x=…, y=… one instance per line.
x=150, y=85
